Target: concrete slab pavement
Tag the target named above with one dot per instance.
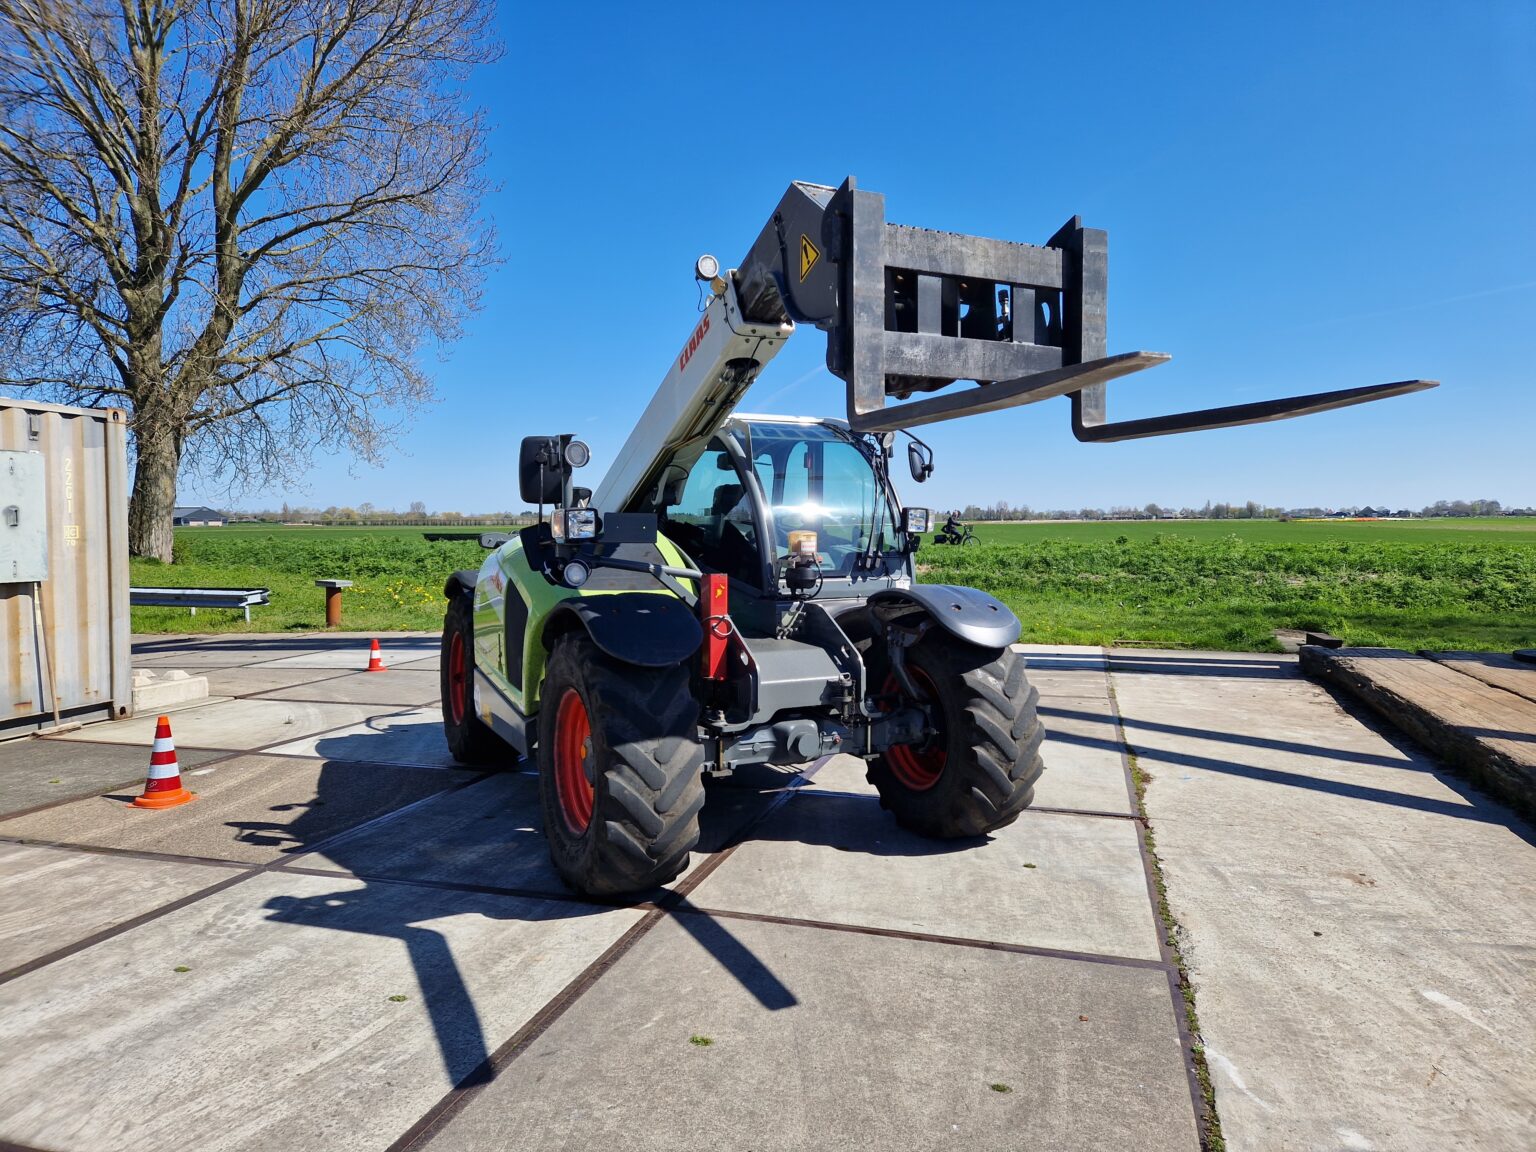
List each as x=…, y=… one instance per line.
x=1357, y=924
x=1083, y=773
x=236, y=725
x=490, y=835
x=254, y=679
x=249, y=808
x=1048, y=880
x=1358, y=927
x=190, y=658
x=85, y=893
x=400, y=687
x=429, y=663
x=823, y=1039
x=34, y=773
x=281, y=1033
x=1081, y=779
x=412, y=736
x=1066, y=671
x=353, y=659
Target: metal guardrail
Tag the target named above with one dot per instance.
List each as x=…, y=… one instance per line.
x=195, y=598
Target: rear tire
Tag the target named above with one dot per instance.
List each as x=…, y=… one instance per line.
x=469, y=739
x=620, y=769
x=979, y=771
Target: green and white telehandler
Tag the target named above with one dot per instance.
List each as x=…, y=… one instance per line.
x=740, y=589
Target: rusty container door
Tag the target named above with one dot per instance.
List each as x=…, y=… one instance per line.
x=64, y=628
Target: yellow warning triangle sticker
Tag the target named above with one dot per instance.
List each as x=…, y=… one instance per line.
x=809, y=254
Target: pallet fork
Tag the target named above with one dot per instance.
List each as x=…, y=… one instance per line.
x=910, y=310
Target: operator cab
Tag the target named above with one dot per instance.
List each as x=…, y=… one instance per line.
x=776, y=479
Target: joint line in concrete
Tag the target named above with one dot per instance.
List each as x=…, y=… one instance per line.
x=930, y=938
x=1205, y=1119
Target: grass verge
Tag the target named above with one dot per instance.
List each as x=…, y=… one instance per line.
x=1211, y=1139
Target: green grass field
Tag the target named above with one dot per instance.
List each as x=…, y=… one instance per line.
x=1228, y=584
x=397, y=576
x=1198, y=584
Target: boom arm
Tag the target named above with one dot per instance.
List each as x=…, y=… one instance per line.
x=712, y=372
x=909, y=310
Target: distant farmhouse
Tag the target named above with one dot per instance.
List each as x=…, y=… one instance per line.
x=196, y=518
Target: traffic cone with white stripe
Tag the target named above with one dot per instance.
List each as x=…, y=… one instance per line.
x=162, y=788
x=375, y=661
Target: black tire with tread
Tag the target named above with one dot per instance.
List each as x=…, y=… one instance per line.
x=649, y=784
x=470, y=741
x=992, y=734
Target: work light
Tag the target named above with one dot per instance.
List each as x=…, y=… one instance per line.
x=574, y=524
x=915, y=521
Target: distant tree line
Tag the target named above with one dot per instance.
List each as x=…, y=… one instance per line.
x=417, y=513
x=1248, y=510
x=367, y=514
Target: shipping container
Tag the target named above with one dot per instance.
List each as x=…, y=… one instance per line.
x=64, y=627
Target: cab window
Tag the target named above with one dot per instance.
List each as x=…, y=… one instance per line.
x=712, y=520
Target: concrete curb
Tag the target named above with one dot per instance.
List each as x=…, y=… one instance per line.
x=1484, y=731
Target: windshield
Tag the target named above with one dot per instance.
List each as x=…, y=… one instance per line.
x=817, y=480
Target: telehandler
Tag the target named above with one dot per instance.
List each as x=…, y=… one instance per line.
x=740, y=590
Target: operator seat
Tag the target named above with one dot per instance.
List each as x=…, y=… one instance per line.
x=727, y=496
x=731, y=546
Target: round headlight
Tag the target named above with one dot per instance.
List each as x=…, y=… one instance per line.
x=706, y=267
x=576, y=574
x=577, y=454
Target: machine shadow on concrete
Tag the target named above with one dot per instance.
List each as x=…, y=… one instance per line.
x=402, y=847
x=1478, y=806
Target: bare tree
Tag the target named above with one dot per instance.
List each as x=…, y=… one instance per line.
x=243, y=220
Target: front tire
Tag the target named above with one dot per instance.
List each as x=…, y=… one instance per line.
x=469, y=739
x=620, y=770
x=978, y=772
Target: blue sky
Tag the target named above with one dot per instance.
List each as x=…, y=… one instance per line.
x=1298, y=197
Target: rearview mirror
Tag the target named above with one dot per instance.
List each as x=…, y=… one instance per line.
x=919, y=461
x=541, y=470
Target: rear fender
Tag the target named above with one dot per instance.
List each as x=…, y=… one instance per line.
x=970, y=614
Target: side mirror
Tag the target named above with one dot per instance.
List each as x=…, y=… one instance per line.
x=494, y=539
x=541, y=470
x=919, y=461
x=545, y=464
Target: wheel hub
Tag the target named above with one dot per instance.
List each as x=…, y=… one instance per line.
x=918, y=766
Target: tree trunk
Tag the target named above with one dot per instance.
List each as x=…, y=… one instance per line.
x=151, y=507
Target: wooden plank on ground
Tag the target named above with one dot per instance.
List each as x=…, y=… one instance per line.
x=1496, y=668
x=1486, y=731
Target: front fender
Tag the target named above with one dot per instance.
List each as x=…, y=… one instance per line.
x=970, y=614
x=643, y=628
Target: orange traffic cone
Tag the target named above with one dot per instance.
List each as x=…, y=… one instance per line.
x=162, y=788
x=375, y=661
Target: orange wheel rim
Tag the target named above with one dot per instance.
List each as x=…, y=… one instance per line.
x=573, y=762
x=917, y=766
